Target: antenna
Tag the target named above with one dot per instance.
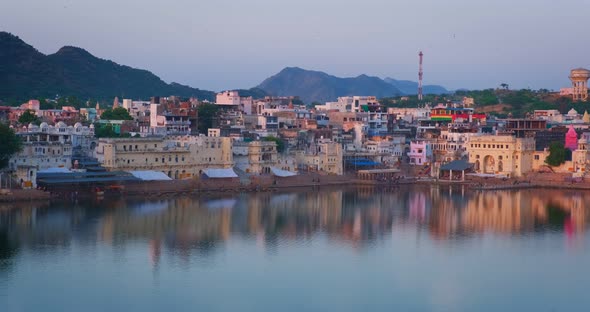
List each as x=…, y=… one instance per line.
x=420, y=77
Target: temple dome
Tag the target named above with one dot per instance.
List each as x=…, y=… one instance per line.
x=572, y=112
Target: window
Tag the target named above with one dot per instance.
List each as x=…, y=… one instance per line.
x=536, y=157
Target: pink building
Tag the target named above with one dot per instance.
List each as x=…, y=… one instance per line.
x=420, y=152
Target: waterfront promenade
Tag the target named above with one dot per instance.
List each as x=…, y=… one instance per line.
x=267, y=183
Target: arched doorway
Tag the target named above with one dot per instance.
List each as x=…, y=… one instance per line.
x=489, y=164
x=500, y=166
x=477, y=165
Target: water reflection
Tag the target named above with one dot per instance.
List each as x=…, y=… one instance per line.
x=359, y=218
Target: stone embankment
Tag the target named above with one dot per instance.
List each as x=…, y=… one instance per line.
x=271, y=183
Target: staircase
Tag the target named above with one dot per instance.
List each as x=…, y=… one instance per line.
x=244, y=177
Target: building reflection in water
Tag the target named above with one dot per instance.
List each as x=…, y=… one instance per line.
x=184, y=227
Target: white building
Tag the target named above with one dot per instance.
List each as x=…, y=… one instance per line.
x=46, y=146
x=233, y=98
x=349, y=104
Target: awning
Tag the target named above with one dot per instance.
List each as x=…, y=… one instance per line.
x=220, y=173
x=54, y=170
x=282, y=173
x=457, y=165
x=150, y=175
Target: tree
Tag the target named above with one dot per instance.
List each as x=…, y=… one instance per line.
x=118, y=113
x=504, y=86
x=556, y=154
x=104, y=131
x=206, y=115
x=28, y=117
x=11, y=144
x=280, y=143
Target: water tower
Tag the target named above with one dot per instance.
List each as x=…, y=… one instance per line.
x=579, y=78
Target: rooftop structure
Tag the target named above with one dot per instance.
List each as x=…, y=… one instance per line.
x=579, y=78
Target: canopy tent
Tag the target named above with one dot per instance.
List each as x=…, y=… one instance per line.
x=457, y=165
x=460, y=165
x=282, y=173
x=220, y=173
x=149, y=175
x=54, y=170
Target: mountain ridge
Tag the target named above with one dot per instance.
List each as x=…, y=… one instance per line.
x=317, y=86
x=73, y=71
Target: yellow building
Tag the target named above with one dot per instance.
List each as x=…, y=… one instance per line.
x=179, y=157
x=501, y=154
x=255, y=157
x=325, y=156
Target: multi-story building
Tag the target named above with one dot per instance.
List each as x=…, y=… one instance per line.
x=323, y=155
x=420, y=152
x=350, y=104
x=233, y=100
x=176, y=156
x=501, y=154
x=48, y=146
x=256, y=157
x=169, y=122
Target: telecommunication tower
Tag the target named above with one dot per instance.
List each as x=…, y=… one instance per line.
x=420, y=78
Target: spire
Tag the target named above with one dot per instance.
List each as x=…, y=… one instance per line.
x=586, y=118
x=571, y=138
x=97, y=106
x=116, y=102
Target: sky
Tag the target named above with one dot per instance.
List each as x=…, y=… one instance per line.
x=230, y=44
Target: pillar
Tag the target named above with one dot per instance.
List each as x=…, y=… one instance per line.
x=462, y=175
x=451, y=176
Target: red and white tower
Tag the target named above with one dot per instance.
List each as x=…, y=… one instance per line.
x=420, y=78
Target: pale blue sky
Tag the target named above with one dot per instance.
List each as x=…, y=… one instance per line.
x=225, y=44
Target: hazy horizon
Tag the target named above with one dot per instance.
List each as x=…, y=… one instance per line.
x=217, y=45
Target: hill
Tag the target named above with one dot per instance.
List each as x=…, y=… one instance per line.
x=27, y=73
x=316, y=86
x=411, y=87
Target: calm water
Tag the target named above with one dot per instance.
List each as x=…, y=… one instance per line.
x=355, y=250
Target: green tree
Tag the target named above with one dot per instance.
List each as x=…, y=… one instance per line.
x=118, y=113
x=280, y=143
x=556, y=154
x=206, y=115
x=10, y=142
x=28, y=117
x=104, y=131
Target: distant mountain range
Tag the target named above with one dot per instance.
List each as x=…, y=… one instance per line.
x=316, y=86
x=408, y=87
x=26, y=73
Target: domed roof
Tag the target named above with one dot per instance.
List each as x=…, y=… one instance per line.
x=91, y=126
x=77, y=125
x=582, y=141
x=31, y=125
x=60, y=124
x=43, y=125
x=572, y=112
x=580, y=73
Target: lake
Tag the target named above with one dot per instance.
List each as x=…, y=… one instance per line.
x=358, y=249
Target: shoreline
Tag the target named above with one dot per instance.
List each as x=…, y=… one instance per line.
x=155, y=189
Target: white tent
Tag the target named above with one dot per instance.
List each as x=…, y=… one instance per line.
x=220, y=173
x=282, y=173
x=54, y=170
x=150, y=175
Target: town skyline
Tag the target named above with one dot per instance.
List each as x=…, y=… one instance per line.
x=476, y=47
